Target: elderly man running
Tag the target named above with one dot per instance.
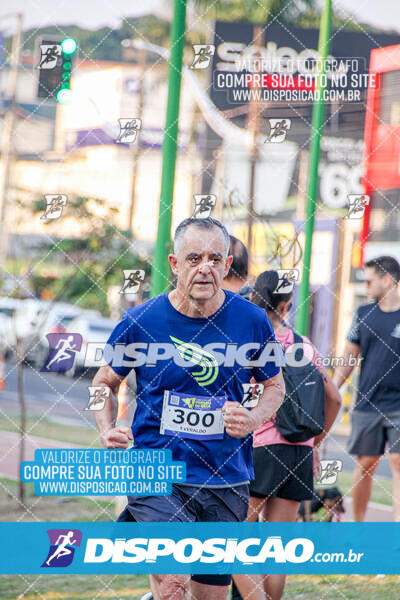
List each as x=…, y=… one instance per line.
x=229, y=341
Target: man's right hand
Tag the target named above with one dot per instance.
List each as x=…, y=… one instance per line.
x=118, y=437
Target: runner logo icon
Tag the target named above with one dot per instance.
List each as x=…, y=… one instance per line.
x=62, y=547
x=330, y=470
x=62, y=351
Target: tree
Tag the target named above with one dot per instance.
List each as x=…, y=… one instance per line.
x=286, y=11
x=89, y=262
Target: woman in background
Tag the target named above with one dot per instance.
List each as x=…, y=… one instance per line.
x=283, y=470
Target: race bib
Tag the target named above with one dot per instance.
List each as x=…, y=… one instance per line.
x=194, y=417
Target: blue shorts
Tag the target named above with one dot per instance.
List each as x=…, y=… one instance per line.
x=192, y=504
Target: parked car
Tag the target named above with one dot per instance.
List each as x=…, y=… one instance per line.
x=23, y=322
x=56, y=320
x=8, y=306
x=92, y=329
x=3, y=325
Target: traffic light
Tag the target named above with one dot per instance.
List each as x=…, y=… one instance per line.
x=55, y=68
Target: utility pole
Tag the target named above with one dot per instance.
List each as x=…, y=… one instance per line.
x=302, y=315
x=159, y=273
x=253, y=123
x=136, y=148
x=8, y=135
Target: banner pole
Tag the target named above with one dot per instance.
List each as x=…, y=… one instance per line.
x=302, y=314
x=159, y=272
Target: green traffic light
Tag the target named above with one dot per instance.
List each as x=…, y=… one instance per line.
x=69, y=46
x=64, y=95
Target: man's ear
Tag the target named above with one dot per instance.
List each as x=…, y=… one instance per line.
x=390, y=280
x=173, y=261
x=228, y=263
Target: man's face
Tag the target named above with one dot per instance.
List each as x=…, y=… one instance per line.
x=201, y=263
x=377, y=285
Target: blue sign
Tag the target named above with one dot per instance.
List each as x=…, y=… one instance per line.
x=92, y=472
x=223, y=548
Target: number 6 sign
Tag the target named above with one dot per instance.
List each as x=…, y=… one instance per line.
x=338, y=180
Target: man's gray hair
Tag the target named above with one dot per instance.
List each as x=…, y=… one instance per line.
x=208, y=223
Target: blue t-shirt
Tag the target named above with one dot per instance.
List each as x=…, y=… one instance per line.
x=223, y=461
x=378, y=335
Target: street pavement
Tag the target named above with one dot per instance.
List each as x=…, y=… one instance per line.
x=9, y=465
x=54, y=395
x=62, y=399
x=10, y=447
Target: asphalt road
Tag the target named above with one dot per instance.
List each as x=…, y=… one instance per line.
x=63, y=399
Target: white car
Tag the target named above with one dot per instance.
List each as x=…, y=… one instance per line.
x=92, y=329
x=3, y=325
x=55, y=320
x=23, y=321
x=8, y=306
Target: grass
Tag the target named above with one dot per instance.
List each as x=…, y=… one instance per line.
x=381, y=487
x=342, y=587
x=81, y=436
x=132, y=587
x=77, y=587
x=85, y=437
x=51, y=508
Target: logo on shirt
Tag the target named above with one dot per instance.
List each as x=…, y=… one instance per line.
x=396, y=331
x=198, y=356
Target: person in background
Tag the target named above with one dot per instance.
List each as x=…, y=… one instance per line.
x=283, y=470
x=237, y=274
x=375, y=419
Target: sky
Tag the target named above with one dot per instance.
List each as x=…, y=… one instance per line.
x=92, y=14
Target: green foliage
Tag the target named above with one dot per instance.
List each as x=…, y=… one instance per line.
x=105, y=43
x=287, y=11
x=81, y=269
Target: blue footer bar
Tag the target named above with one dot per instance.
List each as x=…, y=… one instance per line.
x=292, y=548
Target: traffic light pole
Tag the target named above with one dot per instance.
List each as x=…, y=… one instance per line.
x=8, y=135
x=302, y=315
x=159, y=273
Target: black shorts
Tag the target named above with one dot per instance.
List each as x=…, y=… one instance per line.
x=190, y=503
x=283, y=471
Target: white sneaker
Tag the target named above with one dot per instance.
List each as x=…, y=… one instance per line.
x=147, y=596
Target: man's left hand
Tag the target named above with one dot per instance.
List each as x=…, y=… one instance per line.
x=237, y=419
